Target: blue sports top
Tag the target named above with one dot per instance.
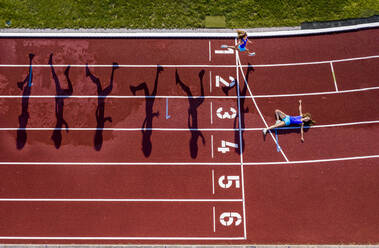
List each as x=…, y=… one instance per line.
x=296, y=120
x=244, y=43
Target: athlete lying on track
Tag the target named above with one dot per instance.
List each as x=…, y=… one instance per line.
x=242, y=43
x=283, y=120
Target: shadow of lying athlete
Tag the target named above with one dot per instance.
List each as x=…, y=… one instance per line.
x=194, y=103
x=147, y=124
x=26, y=87
x=61, y=94
x=243, y=110
x=100, y=110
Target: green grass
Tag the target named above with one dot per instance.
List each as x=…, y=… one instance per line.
x=176, y=13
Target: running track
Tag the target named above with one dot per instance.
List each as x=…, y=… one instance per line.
x=152, y=174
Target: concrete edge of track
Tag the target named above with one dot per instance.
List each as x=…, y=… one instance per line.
x=183, y=33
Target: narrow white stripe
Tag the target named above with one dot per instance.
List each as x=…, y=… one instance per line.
x=113, y=200
x=210, y=81
x=184, y=163
x=214, y=219
x=211, y=114
x=240, y=142
x=199, y=66
x=334, y=76
x=212, y=145
x=210, y=52
x=205, y=97
x=183, y=129
x=317, y=93
x=213, y=181
x=120, y=238
x=98, y=34
x=259, y=112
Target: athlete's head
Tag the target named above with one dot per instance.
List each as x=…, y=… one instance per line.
x=307, y=118
x=241, y=34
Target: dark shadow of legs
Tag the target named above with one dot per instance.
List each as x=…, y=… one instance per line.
x=243, y=110
x=23, y=118
x=192, y=120
x=100, y=110
x=147, y=124
x=59, y=103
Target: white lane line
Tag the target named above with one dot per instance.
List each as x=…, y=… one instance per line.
x=197, y=66
x=210, y=56
x=212, y=146
x=211, y=114
x=192, y=163
x=213, y=182
x=210, y=81
x=118, y=238
x=259, y=112
x=112, y=200
x=241, y=145
x=318, y=93
x=334, y=76
x=184, y=129
x=205, y=97
x=214, y=219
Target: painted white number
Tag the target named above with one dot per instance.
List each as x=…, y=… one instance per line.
x=224, y=82
x=224, y=146
x=226, y=114
x=229, y=183
x=228, y=218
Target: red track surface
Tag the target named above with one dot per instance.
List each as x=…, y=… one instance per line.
x=161, y=186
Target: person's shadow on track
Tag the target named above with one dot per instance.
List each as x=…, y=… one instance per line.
x=192, y=121
x=100, y=110
x=147, y=124
x=61, y=94
x=26, y=87
x=243, y=110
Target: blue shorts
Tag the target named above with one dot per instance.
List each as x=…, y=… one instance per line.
x=242, y=49
x=287, y=120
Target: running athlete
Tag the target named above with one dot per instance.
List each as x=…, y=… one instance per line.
x=283, y=120
x=242, y=43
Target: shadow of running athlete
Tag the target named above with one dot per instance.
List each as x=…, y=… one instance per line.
x=148, y=122
x=243, y=110
x=194, y=103
x=26, y=87
x=100, y=110
x=61, y=94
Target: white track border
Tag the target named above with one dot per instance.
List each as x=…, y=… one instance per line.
x=182, y=34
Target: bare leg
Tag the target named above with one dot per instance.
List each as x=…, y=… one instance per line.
x=278, y=124
x=279, y=114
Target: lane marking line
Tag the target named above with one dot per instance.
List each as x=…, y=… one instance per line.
x=210, y=81
x=192, y=163
x=205, y=97
x=241, y=145
x=214, y=219
x=183, y=129
x=259, y=112
x=334, y=76
x=196, y=66
x=213, y=181
x=120, y=238
x=212, y=146
x=112, y=200
x=210, y=56
x=211, y=114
